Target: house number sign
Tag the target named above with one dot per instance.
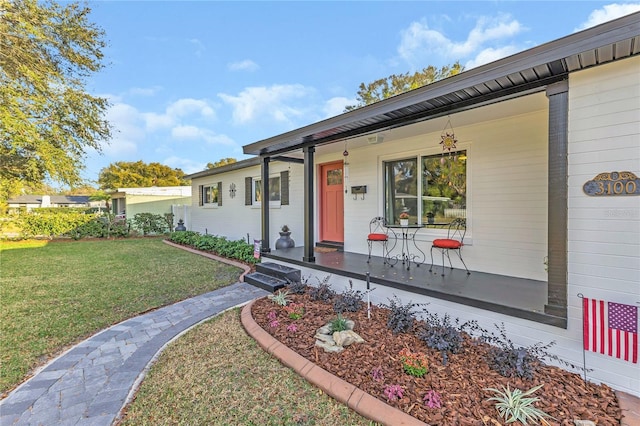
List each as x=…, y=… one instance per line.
x=614, y=183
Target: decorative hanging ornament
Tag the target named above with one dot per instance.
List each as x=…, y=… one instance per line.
x=449, y=140
x=345, y=153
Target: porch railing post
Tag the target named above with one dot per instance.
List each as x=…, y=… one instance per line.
x=309, y=197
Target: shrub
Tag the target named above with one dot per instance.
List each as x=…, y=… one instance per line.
x=401, y=317
x=510, y=360
x=221, y=246
x=297, y=287
x=338, y=324
x=414, y=363
x=349, y=301
x=323, y=292
x=439, y=334
x=280, y=298
x=150, y=223
x=516, y=406
x=51, y=223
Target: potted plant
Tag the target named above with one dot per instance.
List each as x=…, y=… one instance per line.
x=430, y=217
x=404, y=219
x=285, y=240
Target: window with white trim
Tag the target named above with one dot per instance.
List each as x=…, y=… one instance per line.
x=430, y=188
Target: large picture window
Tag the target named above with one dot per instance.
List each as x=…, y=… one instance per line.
x=441, y=181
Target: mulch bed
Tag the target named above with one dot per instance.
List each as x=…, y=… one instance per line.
x=565, y=396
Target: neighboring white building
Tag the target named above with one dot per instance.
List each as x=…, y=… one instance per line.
x=30, y=202
x=543, y=162
x=127, y=202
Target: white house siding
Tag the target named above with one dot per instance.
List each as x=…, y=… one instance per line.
x=506, y=186
x=604, y=232
x=235, y=220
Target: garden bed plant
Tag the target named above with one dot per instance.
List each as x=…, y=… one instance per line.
x=435, y=368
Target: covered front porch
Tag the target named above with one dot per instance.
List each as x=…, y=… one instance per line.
x=518, y=297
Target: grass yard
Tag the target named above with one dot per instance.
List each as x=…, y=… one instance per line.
x=54, y=294
x=217, y=375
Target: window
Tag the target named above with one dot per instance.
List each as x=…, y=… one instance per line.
x=274, y=190
x=442, y=188
x=211, y=195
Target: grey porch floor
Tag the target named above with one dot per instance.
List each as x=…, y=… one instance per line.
x=519, y=297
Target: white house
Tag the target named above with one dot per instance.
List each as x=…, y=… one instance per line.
x=127, y=202
x=539, y=152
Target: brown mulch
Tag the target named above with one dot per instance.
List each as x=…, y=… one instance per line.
x=565, y=396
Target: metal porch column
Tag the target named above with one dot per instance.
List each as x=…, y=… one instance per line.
x=309, y=227
x=264, y=205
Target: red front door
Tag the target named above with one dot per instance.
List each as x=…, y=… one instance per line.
x=332, y=202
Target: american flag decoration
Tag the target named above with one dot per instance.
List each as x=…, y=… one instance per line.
x=610, y=328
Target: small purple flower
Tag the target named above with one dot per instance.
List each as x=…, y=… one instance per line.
x=271, y=316
x=274, y=324
x=432, y=399
x=292, y=328
x=393, y=392
x=377, y=374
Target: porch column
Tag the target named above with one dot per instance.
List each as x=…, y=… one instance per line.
x=264, y=205
x=558, y=95
x=309, y=226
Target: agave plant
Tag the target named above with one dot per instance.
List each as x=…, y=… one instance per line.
x=518, y=406
x=280, y=298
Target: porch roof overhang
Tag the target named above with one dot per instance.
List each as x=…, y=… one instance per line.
x=517, y=75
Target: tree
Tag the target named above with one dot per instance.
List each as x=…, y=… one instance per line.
x=137, y=174
x=47, y=119
x=221, y=162
x=102, y=196
x=396, y=84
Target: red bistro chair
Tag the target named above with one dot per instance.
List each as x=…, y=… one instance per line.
x=454, y=241
x=378, y=233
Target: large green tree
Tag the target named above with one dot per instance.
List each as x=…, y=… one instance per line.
x=138, y=174
x=396, y=84
x=221, y=162
x=47, y=119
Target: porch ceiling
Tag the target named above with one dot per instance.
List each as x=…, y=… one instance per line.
x=517, y=75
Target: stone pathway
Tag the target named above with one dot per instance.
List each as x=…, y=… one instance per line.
x=91, y=383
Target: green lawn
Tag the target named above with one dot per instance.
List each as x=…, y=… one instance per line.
x=53, y=294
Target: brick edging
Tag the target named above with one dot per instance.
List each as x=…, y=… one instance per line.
x=246, y=269
x=342, y=391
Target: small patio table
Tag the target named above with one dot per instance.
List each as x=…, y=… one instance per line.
x=408, y=252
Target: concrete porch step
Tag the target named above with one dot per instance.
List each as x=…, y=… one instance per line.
x=279, y=271
x=264, y=281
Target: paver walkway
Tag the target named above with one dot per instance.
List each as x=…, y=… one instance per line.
x=91, y=383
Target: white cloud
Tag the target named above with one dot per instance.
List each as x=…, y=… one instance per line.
x=608, y=13
x=199, y=46
x=178, y=110
x=269, y=102
x=419, y=43
x=246, y=65
x=490, y=55
x=127, y=130
x=186, y=165
x=200, y=134
x=335, y=106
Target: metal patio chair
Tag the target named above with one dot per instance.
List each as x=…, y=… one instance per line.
x=378, y=233
x=453, y=242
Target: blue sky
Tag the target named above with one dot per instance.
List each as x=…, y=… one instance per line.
x=192, y=82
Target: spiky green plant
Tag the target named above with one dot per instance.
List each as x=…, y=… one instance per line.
x=338, y=324
x=280, y=298
x=517, y=406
